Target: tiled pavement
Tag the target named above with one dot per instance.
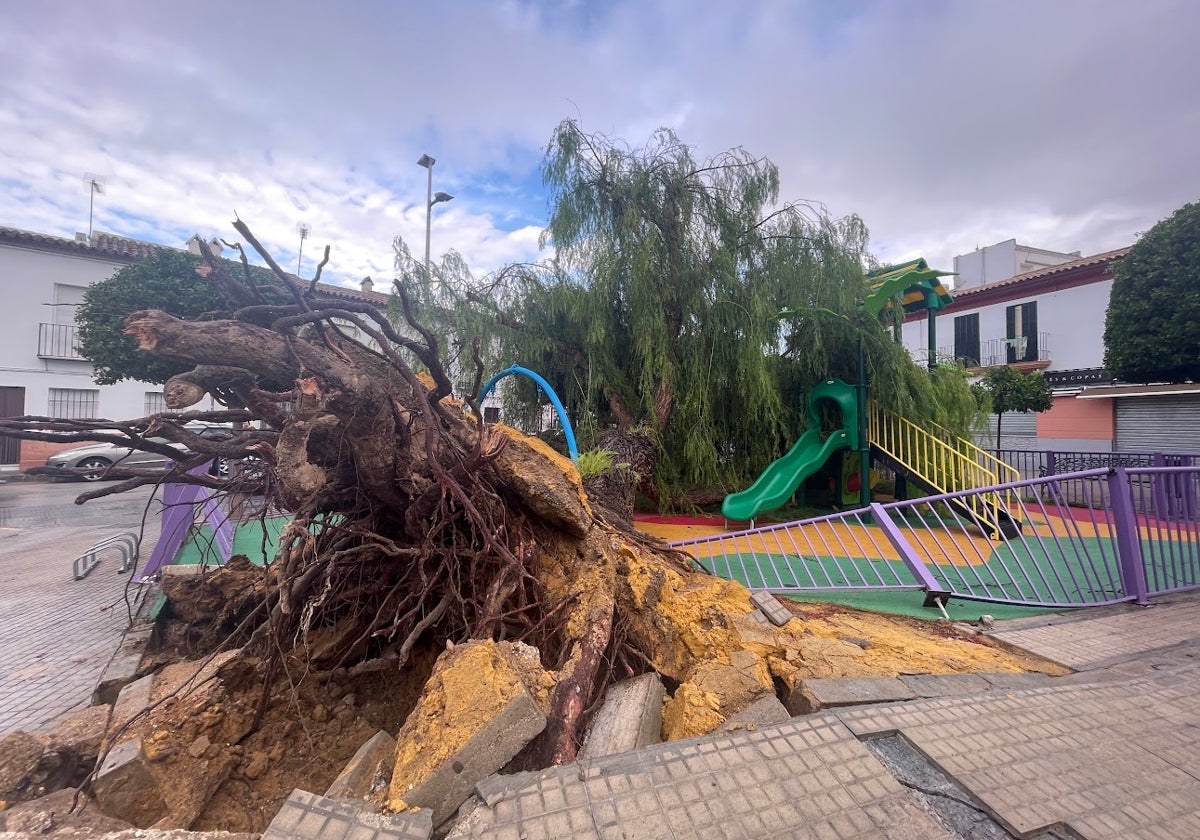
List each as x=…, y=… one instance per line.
x=1113, y=753
x=1086, y=640
x=1113, y=760
x=808, y=778
x=56, y=633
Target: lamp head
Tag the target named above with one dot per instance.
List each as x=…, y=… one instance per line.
x=426, y=161
x=439, y=197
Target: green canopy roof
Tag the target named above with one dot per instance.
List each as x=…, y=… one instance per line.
x=919, y=286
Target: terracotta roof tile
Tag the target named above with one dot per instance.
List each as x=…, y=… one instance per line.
x=107, y=245
x=123, y=249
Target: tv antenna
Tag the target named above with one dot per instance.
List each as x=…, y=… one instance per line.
x=95, y=187
x=303, y=229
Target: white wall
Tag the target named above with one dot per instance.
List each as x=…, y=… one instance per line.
x=1002, y=261
x=28, y=278
x=1072, y=319
x=986, y=265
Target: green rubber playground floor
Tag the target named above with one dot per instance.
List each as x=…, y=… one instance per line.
x=250, y=538
x=1056, y=563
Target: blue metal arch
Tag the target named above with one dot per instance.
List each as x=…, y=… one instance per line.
x=554, y=401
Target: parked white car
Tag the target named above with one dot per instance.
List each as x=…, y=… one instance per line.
x=96, y=458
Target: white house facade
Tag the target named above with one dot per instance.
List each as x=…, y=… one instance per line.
x=41, y=371
x=1049, y=319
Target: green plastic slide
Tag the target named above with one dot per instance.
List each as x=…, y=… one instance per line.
x=780, y=479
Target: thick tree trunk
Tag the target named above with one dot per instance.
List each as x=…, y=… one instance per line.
x=413, y=520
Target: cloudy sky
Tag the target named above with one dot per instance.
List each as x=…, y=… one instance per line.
x=945, y=124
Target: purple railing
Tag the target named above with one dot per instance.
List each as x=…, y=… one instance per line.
x=1035, y=463
x=781, y=558
x=1123, y=534
x=183, y=507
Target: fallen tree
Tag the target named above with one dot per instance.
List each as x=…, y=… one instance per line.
x=416, y=527
x=413, y=521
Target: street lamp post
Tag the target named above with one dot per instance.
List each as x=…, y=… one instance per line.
x=430, y=200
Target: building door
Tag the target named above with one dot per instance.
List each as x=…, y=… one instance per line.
x=12, y=404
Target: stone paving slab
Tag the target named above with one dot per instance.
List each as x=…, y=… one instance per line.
x=771, y=607
x=307, y=816
x=1110, y=760
x=807, y=778
x=1084, y=643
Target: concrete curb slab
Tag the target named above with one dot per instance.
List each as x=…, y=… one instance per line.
x=630, y=718
x=307, y=816
x=945, y=685
x=814, y=695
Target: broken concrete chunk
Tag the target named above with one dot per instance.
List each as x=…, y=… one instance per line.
x=120, y=671
x=475, y=714
x=762, y=712
x=190, y=678
x=368, y=772
x=630, y=718
x=125, y=788
x=774, y=611
x=79, y=732
x=62, y=813
x=813, y=695
x=20, y=753
x=307, y=816
x=131, y=702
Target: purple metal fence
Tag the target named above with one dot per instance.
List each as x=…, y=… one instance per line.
x=180, y=504
x=840, y=551
x=1035, y=463
x=1086, y=538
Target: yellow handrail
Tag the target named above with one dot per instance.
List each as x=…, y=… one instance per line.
x=944, y=461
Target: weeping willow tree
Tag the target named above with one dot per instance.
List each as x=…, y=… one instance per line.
x=659, y=315
x=659, y=318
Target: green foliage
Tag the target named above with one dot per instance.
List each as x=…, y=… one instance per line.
x=592, y=462
x=1014, y=390
x=166, y=281
x=1152, y=330
x=662, y=308
x=957, y=404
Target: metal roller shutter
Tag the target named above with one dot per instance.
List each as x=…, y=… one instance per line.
x=1158, y=424
x=1018, y=430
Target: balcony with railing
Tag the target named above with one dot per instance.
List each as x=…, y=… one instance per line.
x=1014, y=351
x=996, y=352
x=57, y=341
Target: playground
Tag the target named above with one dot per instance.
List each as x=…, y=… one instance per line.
x=974, y=533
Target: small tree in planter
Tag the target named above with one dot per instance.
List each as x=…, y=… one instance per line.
x=1015, y=390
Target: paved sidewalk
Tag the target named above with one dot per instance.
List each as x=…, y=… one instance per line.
x=1111, y=752
x=57, y=634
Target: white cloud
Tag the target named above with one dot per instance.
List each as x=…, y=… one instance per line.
x=1067, y=125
